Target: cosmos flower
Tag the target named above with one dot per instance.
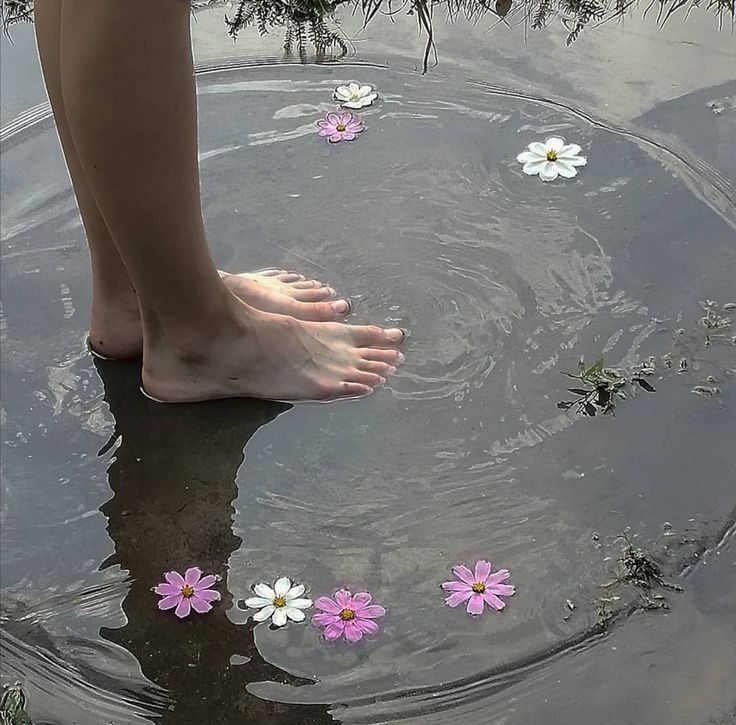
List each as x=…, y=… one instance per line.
x=478, y=588
x=346, y=615
x=353, y=95
x=191, y=591
x=551, y=159
x=282, y=602
x=343, y=126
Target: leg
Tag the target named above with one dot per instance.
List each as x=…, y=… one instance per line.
x=115, y=326
x=128, y=87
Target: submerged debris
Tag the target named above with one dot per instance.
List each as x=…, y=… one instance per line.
x=13, y=706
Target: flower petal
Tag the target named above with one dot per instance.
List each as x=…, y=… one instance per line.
x=192, y=575
x=206, y=582
x=353, y=88
x=324, y=619
x=575, y=160
x=343, y=598
x=294, y=614
x=183, y=608
x=571, y=149
x=528, y=157
x=493, y=601
x=279, y=617
x=502, y=590
x=282, y=586
x=347, y=118
x=342, y=93
x=458, y=598
x=352, y=104
x=327, y=131
x=257, y=602
x=209, y=595
x=199, y=605
x=265, y=591
x=302, y=603
x=565, y=169
x=554, y=143
x=463, y=573
x=296, y=591
x=335, y=137
x=365, y=90
x=475, y=605
x=327, y=604
x=367, y=626
x=263, y=614
x=498, y=576
x=333, y=118
x=334, y=631
x=482, y=570
x=371, y=611
x=353, y=633
x=173, y=577
x=167, y=590
x=349, y=136
x=169, y=602
x=538, y=148
x=549, y=171
x=455, y=586
x=360, y=600
x=534, y=167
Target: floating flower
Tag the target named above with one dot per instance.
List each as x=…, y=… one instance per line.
x=343, y=126
x=478, y=588
x=191, y=591
x=283, y=602
x=347, y=615
x=354, y=96
x=551, y=159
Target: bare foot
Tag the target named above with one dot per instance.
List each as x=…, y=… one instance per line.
x=115, y=326
x=287, y=293
x=256, y=354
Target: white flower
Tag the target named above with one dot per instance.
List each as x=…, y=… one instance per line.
x=282, y=602
x=552, y=158
x=354, y=96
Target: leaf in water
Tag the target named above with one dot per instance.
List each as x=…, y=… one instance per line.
x=564, y=404
x=589, y=409
x=503, y=7
x=578, y=391
x=645, y=384
x=595, y=368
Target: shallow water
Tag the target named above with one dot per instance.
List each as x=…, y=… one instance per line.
x=427, y=222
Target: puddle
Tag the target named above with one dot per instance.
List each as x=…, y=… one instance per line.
x=426, y=222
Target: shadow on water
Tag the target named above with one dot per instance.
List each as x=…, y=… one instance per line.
x=173, y=483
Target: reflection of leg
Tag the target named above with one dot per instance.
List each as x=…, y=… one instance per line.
x=115, y=327
x=128, y=85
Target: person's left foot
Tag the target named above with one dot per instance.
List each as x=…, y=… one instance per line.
x=115, y=326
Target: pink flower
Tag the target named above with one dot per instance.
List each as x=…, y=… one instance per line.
x=191, y=591
x=347, y=615
x=343, y=126
x=478, y=588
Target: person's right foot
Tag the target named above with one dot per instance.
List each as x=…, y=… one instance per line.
x=261, y=355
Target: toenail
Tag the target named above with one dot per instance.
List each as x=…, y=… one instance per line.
x=401, y=357
x=331, y=292
x=341, y=306
x=395, y=335
x=391, y=369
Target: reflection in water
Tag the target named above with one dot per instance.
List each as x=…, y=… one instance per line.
x=173, y=479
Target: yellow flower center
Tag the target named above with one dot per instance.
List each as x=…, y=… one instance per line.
x=187, y=591
x=279, y=602
x=551, y=155
x=347, y=614
x=341, y=127
x=478, y=587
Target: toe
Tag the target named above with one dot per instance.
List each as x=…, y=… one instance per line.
x=318, y=311
x=354, y=390
x=268, y=272
x=390, y=356
x=374, y=336
x=288, y=277
x=370, y=379
x=379, y=368
x=312, y=295
x=307, y=284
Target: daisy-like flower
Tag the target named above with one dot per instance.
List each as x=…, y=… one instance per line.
x=282, y=602
x=347, y=615
x=353, y=95
x=551, y=159
x=343, y=126
x=191, y=591
x=478, y=588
